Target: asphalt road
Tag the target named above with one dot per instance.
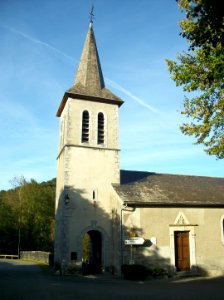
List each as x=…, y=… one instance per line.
x=26, y=281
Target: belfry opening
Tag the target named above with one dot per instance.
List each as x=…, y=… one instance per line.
x=92, y=252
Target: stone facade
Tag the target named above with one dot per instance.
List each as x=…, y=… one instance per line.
x=158, y=227
x=97, y=202
x=85, y=174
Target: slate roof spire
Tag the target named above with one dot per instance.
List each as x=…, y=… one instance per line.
x=89, y=72
x=89, y=82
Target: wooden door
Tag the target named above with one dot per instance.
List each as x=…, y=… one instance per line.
x=182, y=251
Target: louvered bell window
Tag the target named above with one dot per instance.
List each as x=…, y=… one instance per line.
x=100, y=139
x=85, y=126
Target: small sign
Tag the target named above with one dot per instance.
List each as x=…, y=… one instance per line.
x=134, y=241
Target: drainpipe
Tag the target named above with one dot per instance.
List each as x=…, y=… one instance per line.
x=124, y=208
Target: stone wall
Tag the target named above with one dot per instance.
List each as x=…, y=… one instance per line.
x=40, y=256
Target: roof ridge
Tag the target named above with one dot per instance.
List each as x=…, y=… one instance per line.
x=174, y=174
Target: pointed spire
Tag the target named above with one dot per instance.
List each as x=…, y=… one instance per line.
x=89, y=73
x=89, y=83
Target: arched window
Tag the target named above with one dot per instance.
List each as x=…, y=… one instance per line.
x=85, y=126
x=100, y=137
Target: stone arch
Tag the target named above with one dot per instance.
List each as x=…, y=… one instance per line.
x=104, y=241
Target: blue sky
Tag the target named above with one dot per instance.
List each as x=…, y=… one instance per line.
x=40, y=46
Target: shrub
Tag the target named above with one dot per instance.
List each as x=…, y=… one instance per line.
x=159, y=272
x=134, y=272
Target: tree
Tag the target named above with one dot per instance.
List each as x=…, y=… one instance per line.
x=39, y=216
x=8, y=226
x=201, y=70
x=27, y=216
x=19, y=184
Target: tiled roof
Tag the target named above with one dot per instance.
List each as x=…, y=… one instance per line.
x=152, y=189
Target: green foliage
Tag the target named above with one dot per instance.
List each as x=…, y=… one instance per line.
x=27, y=209
x=201, y=70
x=86, y=247
x=159, y=272
x=8, y=226
x=203, y=26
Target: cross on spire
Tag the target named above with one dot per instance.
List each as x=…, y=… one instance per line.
x=91, y=15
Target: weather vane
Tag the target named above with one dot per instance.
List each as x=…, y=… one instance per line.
x=91, y=15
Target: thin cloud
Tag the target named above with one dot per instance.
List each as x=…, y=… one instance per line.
x=128, y=93
x=59, y=52
x=36, y=41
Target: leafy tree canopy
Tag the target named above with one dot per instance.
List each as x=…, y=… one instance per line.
x=201, y=70
x=27, y=216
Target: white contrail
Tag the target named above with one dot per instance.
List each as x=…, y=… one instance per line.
x=128, y=93
x=109, y=81
x=36, y=41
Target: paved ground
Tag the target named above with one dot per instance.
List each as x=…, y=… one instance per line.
x=26, y=281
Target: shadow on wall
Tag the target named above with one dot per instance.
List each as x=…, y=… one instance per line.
x=146, y=254
x=88, y=237
x=87, y=232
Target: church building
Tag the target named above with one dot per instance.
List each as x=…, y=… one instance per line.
x=107, y=217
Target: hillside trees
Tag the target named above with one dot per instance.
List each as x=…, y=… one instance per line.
x=8, y=225
x=201, y=71
x=27, y=216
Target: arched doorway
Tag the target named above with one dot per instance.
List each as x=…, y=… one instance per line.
x=92, y=252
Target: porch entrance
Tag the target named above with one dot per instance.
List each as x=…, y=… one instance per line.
x=92, y=252
x=182, y=250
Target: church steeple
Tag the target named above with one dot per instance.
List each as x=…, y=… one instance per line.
x=89, y=82
x=89, y=73
x=88, y=165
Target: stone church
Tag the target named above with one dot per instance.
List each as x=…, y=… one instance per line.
x=106, y=217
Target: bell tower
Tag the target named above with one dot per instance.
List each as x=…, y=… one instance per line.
x=88, y=163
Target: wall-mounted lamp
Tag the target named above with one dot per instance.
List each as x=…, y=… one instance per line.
x=67, y=199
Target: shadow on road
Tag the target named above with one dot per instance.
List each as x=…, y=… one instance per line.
x=25, y=281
